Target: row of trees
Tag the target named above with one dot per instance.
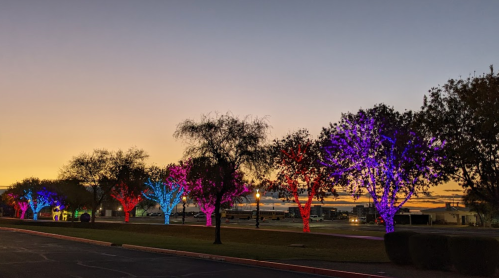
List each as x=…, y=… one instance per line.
x=391, y=155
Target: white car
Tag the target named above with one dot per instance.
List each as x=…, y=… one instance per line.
x=316, y=218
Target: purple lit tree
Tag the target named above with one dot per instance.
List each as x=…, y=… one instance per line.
x=168, y=193
x=376, y=150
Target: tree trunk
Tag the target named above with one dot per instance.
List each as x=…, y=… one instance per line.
x=23, y=212
x=95, y=203
x=390, y=227
x=127, y=216
x=94, y=211
x=35, y=215
x=208, y=212
x=208, y=220
x=306, y=224
x=167, y=218
x=218, y=221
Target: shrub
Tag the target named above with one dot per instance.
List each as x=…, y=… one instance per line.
x=474, y=255
x=397, y=246
x=430, y=251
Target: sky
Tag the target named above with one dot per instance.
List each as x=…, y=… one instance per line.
x=80, y=75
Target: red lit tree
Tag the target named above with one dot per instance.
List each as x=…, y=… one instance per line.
x=127, y=196
x=296, y=159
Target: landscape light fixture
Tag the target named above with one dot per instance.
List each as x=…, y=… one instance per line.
x=184, y=201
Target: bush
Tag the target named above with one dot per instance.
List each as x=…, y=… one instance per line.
x=397, y=246
x=430, y=251
x=474, y=255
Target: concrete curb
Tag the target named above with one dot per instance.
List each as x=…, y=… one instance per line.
x=274, y=265
x=91, y=241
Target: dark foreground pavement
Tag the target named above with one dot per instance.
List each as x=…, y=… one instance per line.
x=25, y=255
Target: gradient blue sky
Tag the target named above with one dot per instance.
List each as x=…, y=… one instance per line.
x=80, y=75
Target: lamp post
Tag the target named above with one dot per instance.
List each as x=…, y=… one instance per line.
x=184, y=200
x=257, y=209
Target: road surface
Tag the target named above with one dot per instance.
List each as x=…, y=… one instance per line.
x=24, y=255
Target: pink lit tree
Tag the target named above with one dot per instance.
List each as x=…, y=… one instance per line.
x=23, y=207
x=376, y=150
x=127, y=196
x=12, y=199
x=296, y=159
x=202, y=192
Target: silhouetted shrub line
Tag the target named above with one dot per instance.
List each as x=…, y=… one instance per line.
x=477, y=256
x=430, y=251
x=397, y=247
x=474, y=255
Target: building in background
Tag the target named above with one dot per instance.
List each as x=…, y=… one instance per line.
x=452, y=215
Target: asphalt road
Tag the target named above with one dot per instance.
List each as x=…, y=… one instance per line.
x=25, y=256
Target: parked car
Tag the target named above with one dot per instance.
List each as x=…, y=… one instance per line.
x=154, y=214
x=200, y=215
x=316, y=218
x=357, y=220
x=381, y=221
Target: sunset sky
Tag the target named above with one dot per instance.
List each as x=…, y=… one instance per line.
x=81, y=75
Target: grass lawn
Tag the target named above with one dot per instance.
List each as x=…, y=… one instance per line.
x=244, y=243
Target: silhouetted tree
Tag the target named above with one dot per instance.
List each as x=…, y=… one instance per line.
x=228, y=143
x=485, y=211
x=76, y=195
x=465, y=113
x=102, y=170
x=146, y=205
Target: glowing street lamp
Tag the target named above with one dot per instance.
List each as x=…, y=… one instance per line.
x=184, y=200
x=257, y=209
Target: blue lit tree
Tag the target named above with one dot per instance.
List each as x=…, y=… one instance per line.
x=35, y=192
x=377, y=151
x=168, y=193
x=38, y=200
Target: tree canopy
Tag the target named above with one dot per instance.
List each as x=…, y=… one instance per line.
x=377, y=150
x=465, y=114
x=296, y=160
x=102, y=170
x=228, y=143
